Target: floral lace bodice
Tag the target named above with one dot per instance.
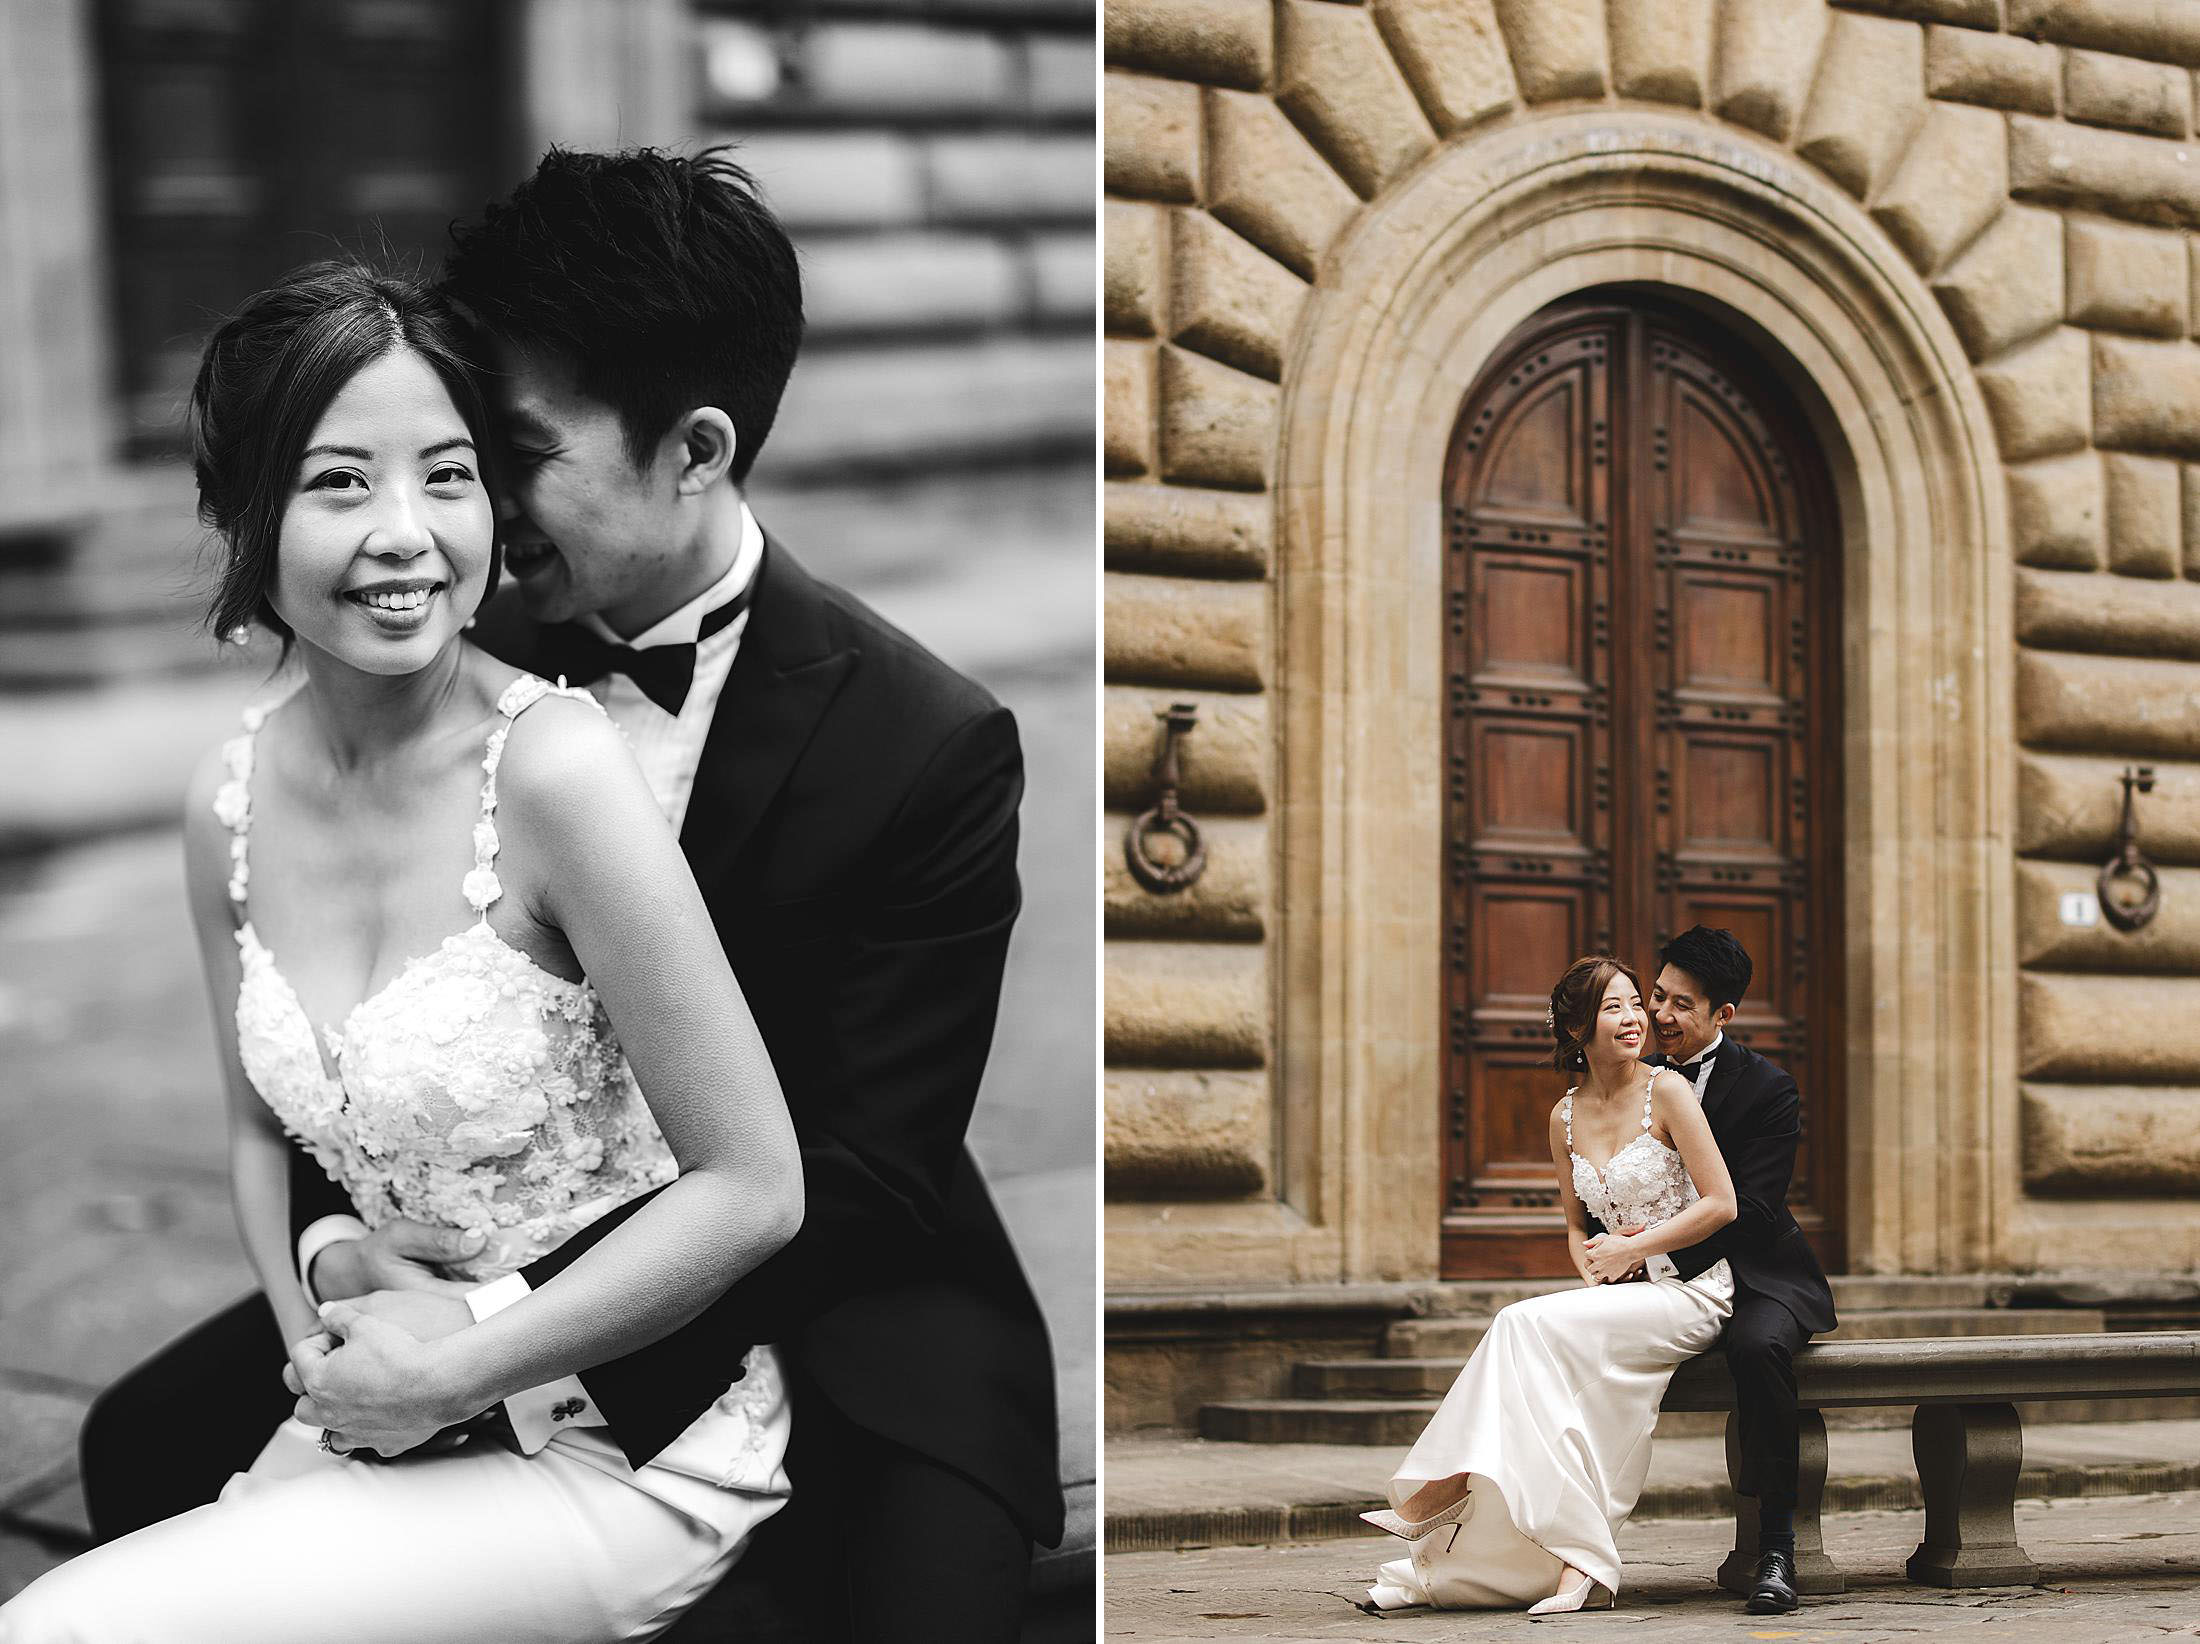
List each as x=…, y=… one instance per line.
x=475, y=1090
x=1642, y=1184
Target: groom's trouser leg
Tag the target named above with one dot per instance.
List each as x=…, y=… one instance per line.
x=168, y=1435
x=1761, y=1342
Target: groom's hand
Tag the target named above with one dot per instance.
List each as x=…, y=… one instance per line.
x=1609, y=1257
x=370, y=1381
x=399, y=1255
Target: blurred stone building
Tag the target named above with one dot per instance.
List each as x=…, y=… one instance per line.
x=161, y=158
x=1595, y=467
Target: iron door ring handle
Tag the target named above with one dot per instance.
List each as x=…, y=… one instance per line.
x=1162, y=877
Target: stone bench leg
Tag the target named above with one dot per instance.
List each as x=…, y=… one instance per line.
x=1968, y=1458
x=1815, y=1573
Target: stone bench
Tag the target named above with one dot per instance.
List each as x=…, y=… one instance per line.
x=1966, y=1435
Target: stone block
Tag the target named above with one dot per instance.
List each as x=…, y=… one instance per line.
x=1557, y=47
x=1661, y=50
x=1952, y=181
x=1173, y=528
x=2145, y=516
x=2146, y=396
x=1127, y=396
x=1061, y=267
x=2038, y=396
x=1058, y=75
x=1228, y=299
x=2007, y=286
x=1266, y=181
x=2110, y=616
x=2109, y=1141
x=910, y=282
x=1227, y=903
x=1222, y=766
x=2094, y=704
x=1762, y=63
x=2192, y=520
x=1181, y=631
x=1014, y=177
x=838, y=179
x=2071, y=805
x=1977, y=14
x=1996, y=70
x=1192, y=1135
x=2104, y=90
x=2058, y=512
x=2167, y=944
x=1215, y=42
x=1185, y=1004
x=1335, y=78
x=1218, y=426
x=890, y=70
x=1150, y=147
x=2123, y=278
x=1130, y=278
x=1868, y=96
x=2144, y=1029
x=1452, y=55
x=2141, y=179
x=2167, y=31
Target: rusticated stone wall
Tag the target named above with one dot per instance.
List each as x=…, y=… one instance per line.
x=2034, y=163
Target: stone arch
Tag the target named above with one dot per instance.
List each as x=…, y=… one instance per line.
x=1427, y=280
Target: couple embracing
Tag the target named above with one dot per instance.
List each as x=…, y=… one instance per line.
x=598, y=1061
x=1673, y=1149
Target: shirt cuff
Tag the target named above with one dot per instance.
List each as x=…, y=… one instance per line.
x=1661, y=1266
x=540, y=1413
x=317, y=1238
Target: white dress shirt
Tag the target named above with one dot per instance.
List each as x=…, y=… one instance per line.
x=1662, y=1266
x=669, y=748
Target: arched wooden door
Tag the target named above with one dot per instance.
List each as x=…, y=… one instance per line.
x=1643, y=676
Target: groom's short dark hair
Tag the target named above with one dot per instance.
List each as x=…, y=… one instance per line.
x=1715, y=959
x=665, y=280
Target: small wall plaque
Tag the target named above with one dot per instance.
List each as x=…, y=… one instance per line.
x=2081, y=909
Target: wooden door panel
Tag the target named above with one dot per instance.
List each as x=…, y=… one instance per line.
x=1639, y=719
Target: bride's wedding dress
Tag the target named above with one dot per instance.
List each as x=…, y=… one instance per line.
x=1551, y=1418
x=475, y=1090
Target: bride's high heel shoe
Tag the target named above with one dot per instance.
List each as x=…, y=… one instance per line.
x=1584, y=1595
x=1406, y=1529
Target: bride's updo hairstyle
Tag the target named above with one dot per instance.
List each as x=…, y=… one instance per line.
x=268, y=373
x=1575, y=1003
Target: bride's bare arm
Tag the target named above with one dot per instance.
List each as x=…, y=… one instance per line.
x=1577, y=1214
x=602, y=867
x=259, y=1152
x=1677, y=1112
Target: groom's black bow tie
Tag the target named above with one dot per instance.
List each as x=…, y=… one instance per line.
x=1691, y=1069
x=662, y=673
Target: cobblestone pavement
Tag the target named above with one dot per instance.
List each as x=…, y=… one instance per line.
x=2111, y=1569
x=115, y=1228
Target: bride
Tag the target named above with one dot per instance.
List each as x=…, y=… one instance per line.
x=455, y=952
x=1514, y=1493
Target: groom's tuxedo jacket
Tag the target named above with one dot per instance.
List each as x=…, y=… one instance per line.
x=853, y=830
x=1756, y=1118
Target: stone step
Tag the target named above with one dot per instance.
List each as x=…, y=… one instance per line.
x=1398, y=1419
x=1456, y=1337
x=1859, y=1292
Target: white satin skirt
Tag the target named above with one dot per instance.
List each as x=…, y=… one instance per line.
x=568, y=1546
x=1551, y=1421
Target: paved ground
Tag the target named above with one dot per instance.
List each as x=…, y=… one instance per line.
x=2111, y=1570
x=1173, y=1492
x=115, y=1228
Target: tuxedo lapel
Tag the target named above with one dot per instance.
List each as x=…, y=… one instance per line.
x=787, y=672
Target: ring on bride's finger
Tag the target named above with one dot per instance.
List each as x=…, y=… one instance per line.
x=328, y=1441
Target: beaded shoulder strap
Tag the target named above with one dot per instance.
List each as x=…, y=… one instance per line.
x=1647, y=1086
x=1566, y=1112
x=233, y=801
x=481, y=886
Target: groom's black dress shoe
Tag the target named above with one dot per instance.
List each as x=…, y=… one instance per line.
x=1773, y=1592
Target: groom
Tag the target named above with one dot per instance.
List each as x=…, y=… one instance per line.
x=1781, y=1298
x=848, y=805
